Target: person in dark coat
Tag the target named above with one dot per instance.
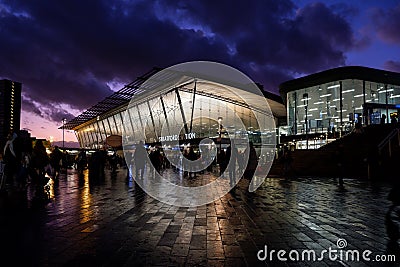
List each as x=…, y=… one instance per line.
x=252, y=163
x=55, y=161
x=192, y=156
x=11, y=157
x=139, y=157
x=232, y=155
x=96, y=164
x=40, y=159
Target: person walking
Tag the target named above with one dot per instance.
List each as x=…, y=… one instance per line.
x=287, y=162
x=139, y=158
x=56, y=161
x=339, y=159
x=192, y=156
x=252, y=163
x=40, y=160
x=81, y=161
x=11, y=158
x=232, y=159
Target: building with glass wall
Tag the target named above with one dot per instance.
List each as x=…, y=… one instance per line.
x=10, y=109
x=199, y=107
x=332, y=102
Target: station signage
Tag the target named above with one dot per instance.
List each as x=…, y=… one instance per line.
x=176, y=137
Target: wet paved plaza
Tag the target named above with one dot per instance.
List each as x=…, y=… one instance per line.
x=115, y=223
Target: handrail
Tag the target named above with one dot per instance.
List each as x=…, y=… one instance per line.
x=388, y=138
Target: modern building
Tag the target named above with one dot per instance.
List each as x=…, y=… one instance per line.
x=330, y=103
x=198, y=108
x=10, y=109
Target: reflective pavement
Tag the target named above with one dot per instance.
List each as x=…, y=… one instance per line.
x=113, y=222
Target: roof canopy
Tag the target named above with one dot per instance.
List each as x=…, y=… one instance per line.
x=341, y=73
x=121, y=97
x=157, y=82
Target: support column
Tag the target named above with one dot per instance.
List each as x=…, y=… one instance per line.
x=182, y=111
x=341, y=106
x=194, y=97
x=152, y=120
x=165, y=114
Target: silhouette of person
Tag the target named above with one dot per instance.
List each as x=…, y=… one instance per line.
x=339, y=158
x=55, y=160
x=139, y=158
x=231, y=156
x=155, y=158
x=11, y=158
x=287, y=162
x=383, y=119
x=81, y=161
x=96, y=165
x=222, y=161
x=192, y=156
x=40, y=160
x=253, y=161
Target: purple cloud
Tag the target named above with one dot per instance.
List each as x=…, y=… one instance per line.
x=387, y=23
x=392, y=65
x=67, y=52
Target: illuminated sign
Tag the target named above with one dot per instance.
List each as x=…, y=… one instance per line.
x=175, y=137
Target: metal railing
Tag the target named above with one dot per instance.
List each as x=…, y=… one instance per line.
x=388, y=141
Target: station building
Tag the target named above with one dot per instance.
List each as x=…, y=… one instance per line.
x=325, y=105
x=202, y=108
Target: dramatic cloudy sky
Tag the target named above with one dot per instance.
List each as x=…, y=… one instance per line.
x=71, y=54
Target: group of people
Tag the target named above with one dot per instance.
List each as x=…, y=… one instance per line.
x=25, y=164
x=230, y=159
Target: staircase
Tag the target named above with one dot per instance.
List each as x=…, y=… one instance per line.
x=360, y=156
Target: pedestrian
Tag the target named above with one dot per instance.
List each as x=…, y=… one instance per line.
x=96, y=165
x=232, y=159
x=339, y=159
x=192, y=157
x=65, y=162
x=222, y=162
x=383, y=119
x=287, y=160
x=252, y=162
x=155, y=159
x=11, y=158
x=40, y=161
x=81, y=161
x=113, y=161
x=56, y=157
x=23, y=172
x=393, y=119
x=139, y=158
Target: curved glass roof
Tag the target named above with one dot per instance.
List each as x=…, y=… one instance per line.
x=161, y=82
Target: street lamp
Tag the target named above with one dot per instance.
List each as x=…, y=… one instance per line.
x=63, y=122
x=97, y=134
x=219, y=133
x=219, y=158
x=305, y=99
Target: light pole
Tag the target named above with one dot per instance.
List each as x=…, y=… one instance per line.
x=219, y=133
x=219, y=156
x=305, y=99
x=63, y=122
x=97, y=134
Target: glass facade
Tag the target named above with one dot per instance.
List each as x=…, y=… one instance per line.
x=179, y=114
x=338, y=106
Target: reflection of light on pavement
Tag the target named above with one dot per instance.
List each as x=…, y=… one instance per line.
x=86, y=212
x=49, y=186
